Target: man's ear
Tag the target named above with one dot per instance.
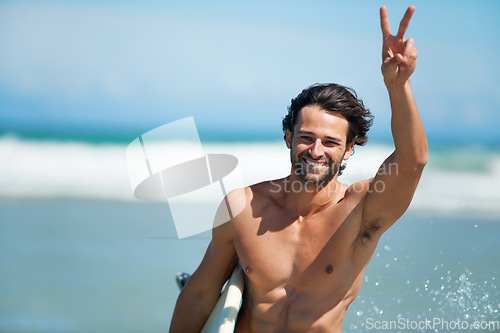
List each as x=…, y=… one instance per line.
x=349, y=150
x=288, y=139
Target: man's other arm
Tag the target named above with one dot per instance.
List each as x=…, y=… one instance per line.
x=201, y=292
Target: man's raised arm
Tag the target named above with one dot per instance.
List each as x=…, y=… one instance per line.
x=392, y=189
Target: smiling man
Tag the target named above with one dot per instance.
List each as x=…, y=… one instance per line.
x=304, y=241
x=334, y=112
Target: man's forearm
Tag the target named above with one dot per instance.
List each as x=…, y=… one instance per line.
x=191, y=312
x=407, y=128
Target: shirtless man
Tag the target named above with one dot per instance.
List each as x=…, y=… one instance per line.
x=304, y=241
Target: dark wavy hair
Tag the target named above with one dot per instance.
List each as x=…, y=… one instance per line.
x=336, y=99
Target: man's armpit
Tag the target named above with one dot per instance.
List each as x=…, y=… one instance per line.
x=369, y=231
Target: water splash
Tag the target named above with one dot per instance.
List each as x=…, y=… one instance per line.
x=447, y=294
x=465, y=298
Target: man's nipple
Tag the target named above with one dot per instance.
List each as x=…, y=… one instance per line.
x=248, y=269
x=329, y=269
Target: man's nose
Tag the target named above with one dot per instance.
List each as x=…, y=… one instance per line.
x=317, y=150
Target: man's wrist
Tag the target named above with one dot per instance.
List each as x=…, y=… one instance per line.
x=394, y=87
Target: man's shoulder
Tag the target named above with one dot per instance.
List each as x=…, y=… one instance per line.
x=267, y=189
x=251, y=196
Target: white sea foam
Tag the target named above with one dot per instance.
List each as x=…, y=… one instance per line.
x=33, y=169
x=47, y=169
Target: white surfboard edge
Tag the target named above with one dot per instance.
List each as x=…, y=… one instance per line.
x=224, y=315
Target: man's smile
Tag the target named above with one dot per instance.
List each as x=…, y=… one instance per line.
x=315, y=164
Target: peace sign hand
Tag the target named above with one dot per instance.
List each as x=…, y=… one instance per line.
x=399, y=56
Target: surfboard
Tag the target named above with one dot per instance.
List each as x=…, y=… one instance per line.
x=223, y=317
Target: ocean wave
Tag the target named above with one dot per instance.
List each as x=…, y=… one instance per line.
x=58, y=169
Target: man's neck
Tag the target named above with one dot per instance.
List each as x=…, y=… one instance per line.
x=309, y=198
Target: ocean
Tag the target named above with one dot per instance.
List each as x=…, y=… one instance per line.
x=78, y=253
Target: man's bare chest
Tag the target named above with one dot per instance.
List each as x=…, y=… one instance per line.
x=294, y=251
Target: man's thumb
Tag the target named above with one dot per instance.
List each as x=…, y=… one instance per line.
x=390, y=65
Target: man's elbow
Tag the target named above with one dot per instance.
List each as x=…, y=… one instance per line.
x=422, y=159
x=417, y=164
x=421, y=154
x=412, y=162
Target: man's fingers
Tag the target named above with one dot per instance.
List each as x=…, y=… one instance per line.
x=391, y=64
x=405, y=21
x=410, y=45
x=384, y=22
x=399, y=58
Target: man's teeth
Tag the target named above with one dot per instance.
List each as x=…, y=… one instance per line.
x=314, y=164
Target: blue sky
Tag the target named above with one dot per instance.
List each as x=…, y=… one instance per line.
x=122, y=68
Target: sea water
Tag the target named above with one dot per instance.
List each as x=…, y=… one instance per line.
x=79, y=254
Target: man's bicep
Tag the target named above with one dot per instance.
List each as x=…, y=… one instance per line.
x=218, y=262
x=221, y=257
x=390, y=193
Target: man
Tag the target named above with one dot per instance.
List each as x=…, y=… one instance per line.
x=304, y=241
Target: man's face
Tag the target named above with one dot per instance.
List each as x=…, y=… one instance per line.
x=318, y=145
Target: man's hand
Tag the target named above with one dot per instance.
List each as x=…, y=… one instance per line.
x=399, y=56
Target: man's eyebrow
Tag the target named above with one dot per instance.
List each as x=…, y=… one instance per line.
x=334, y=139
x=331, y=138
